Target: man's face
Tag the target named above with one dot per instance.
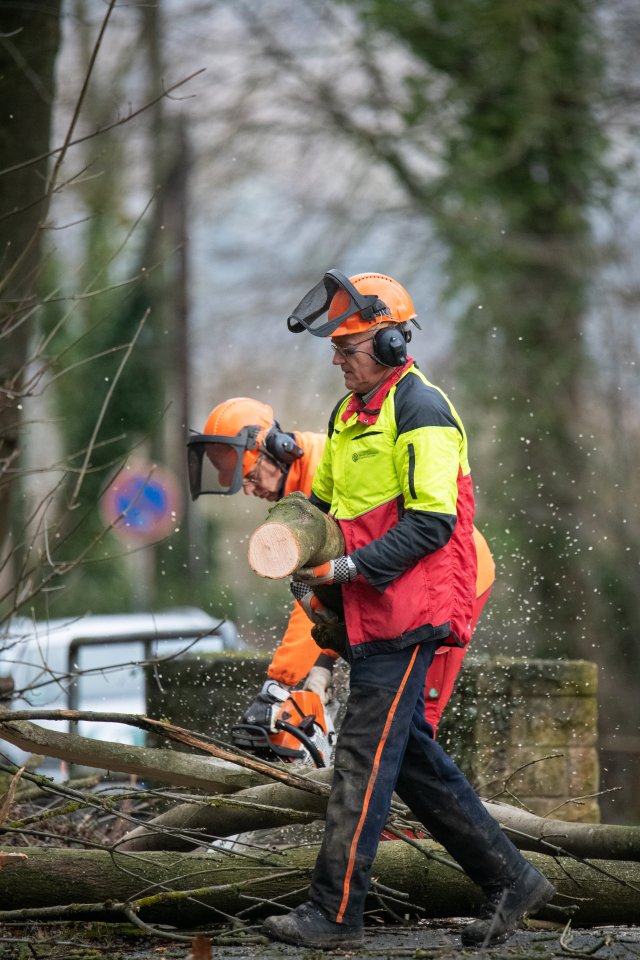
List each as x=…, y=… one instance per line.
x=263, y=480
x=354, y=354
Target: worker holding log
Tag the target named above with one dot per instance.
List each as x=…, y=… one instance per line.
x=268, y=463
x=395, y=476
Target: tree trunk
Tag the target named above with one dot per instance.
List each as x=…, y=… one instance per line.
x=162, y=728
x=294, y=535
x=28, y=50
x=166, y=766
x=215, y=818
x=589, y=840
x=289, y=804
x=53, y=878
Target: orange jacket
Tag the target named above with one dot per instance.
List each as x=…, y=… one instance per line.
x=297, y=651
x=486, y=567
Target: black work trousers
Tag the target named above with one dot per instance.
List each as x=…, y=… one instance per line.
x=385, y=743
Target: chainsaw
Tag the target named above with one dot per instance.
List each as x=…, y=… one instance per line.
x=302, y=730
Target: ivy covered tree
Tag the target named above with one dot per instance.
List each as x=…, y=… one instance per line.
x=521, y=168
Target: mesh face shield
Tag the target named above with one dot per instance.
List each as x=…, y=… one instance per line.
x=317, y=301
x=215, y=463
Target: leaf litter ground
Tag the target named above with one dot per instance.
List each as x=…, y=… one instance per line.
x=429, y=940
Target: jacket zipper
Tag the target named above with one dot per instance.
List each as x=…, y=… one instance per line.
x=412, y=470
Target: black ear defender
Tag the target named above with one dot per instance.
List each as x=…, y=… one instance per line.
x=390, y=346
x=281, y=446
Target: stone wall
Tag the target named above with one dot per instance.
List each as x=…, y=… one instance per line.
x=525, y=731
x=206, y=693
x=522, y=730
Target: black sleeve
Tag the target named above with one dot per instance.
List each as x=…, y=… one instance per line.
x=416, y=535
x=320, y=504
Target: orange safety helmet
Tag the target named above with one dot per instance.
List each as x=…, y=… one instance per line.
x=353, y=304
x=231, y=416
x=236, y=433
x=394, y=304
x=219, y=458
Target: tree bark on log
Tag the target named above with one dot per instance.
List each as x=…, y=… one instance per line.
x=589, y=840
x=294, y=535
x=162, y=728
x=149, y=763
x=51, y=878
x=527, y=831
x=214, y=819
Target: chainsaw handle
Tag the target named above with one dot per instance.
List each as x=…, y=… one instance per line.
x=296, y=732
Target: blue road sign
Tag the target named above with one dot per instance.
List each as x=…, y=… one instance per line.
x=143, y=503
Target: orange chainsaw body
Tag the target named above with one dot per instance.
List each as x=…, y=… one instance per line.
x=303, y=727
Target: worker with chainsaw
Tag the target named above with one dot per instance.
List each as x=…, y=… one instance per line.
x=395, y=476
x=243, y=447
x=268, y=463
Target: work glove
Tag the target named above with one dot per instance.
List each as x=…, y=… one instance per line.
x=340, y=570
x=314, y=609
x=319, y=681
x=264, y=710
x=333, y=636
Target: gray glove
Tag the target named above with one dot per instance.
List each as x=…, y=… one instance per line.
x=319, y=681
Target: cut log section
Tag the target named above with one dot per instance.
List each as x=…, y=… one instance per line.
x=295, y=534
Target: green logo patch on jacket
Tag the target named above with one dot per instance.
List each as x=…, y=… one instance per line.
x=365, y=453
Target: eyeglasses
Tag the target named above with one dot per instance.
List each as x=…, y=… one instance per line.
x=254, y=473
x=349, y=351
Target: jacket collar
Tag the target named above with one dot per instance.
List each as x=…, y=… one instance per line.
x=368, y=413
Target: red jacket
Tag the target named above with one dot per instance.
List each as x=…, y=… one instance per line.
x=396, y=478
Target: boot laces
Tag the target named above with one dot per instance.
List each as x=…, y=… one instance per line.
x=492, y=903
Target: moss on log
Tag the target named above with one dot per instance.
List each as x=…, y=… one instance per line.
x=54, y=878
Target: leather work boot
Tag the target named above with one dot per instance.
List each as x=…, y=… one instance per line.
x=307, y=926
x=504, y=909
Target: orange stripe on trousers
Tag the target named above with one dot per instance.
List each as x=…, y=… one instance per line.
x=369, y=791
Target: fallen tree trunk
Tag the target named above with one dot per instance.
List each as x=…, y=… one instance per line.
x=213, y=819
x=67, y=747
x=51, y=880
x=148, y=763
x=528, y=831
x=262, y=807
x=294, y=535
x=589, y=840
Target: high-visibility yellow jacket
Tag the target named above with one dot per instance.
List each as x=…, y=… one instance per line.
x=395, y=476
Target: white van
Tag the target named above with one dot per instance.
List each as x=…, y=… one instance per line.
x=97, y=663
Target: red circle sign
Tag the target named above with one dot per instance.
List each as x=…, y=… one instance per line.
x=143, y=503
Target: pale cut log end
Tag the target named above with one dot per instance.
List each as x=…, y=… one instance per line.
x=274, y=551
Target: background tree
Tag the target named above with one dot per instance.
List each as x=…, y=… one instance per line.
x=120, y=283
x=29, y=40
x=521, y=169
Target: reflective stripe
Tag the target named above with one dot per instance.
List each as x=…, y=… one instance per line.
x=370, y=785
